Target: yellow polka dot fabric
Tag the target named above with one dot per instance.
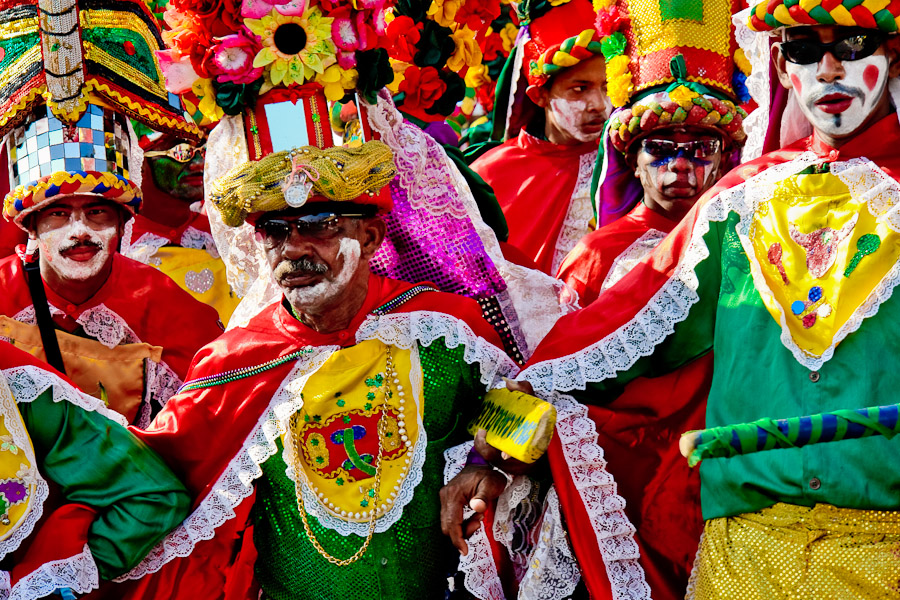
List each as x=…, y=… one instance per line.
x=789, y=552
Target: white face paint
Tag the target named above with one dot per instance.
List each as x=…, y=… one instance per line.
x=573, y=117
x=326, y=291
x=840, y=107
x=55, y=243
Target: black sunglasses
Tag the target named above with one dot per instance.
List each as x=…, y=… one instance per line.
x=854, y=47
x=321, y=226
x=669, y=148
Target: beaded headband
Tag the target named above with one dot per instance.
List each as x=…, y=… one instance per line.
x=871, y=14
x=289, y=179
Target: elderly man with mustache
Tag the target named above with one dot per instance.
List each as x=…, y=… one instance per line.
x=330, y=410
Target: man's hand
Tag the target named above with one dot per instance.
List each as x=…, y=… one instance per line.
x=519, y=386
x=476, y=486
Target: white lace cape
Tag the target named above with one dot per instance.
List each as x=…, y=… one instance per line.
x=110, y=329
x=403, y=330
x=78, y=572
x=581, y=210
x=631, y=256
x=431, y=182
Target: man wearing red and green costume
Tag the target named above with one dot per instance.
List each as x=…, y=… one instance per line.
x=113, y=498
x=330, y=409
x=785, y=269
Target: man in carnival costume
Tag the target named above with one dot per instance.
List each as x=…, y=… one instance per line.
x=113, y=498
x=674, y=137
x=342, y=397
x=172, y=232
x=123, y=331
x=784, y=270
x=542, y=173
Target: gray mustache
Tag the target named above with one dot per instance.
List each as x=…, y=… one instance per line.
x=80, y=243
x=837, y=88
x=303, y=266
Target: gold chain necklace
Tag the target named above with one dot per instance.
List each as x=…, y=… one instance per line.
x=390, y=376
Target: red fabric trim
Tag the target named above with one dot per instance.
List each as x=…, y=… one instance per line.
x=62, y=534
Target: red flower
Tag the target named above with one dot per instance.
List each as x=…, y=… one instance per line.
x=493, y=47
x=217, y=17
x=423, y=87
x=405, y=34
x=609, y=21
x=475, y=13
x=485, y=96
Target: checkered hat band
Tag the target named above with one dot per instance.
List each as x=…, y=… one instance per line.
x=99, y=141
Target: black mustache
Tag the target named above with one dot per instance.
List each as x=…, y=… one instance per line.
x=837, y=88
x=81, y=244
x=303, y=266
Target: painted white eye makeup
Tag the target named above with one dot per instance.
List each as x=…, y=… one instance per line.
x=838, y=108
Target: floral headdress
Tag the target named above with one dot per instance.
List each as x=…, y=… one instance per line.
x=437, y=48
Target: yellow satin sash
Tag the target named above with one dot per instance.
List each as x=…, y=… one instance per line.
x=114, y=375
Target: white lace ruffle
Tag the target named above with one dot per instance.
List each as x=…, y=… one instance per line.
x=199, y=240
x=29, y=382
x=581, y=210
x=552, y=570
x=405, y=330
x=691, y=592
x=144, y=249
x=614, y=532
x=29, y=475
x=79, y=573
x=631, y=256
x=479, y=570
x=756, y=48
x=399, y=498
x=161, y=384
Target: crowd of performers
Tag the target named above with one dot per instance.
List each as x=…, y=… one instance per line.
x=266, y=263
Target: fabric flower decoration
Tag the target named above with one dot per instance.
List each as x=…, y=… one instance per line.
x=234, y=56
x=336, y=81
x=435, y=45
x=204, y=90
x=294, y=49
x=509, y=34
x=257, y=9
x=467, y=53
x=375, y=72
x=405, y=34
x=613, y=45
x=474, y=14
x=683, y=95
x=423, y=87
x=443, y=12
x=178, y=71
x=618, y=80
x=609, y=21
x=477, y=76
x=217, y=17
x=493, y=46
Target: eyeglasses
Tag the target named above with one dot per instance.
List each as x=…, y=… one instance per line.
x=692, y=149
x=854, y=47
x=181, y=153
x=322, y=226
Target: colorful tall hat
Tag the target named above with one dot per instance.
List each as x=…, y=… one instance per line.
x=73, y=73
x=674, y=62
x=774, y=14
x=562, y=35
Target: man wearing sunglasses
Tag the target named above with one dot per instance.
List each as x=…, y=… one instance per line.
x=361, y=382
x=172, y=232
x=785, y=270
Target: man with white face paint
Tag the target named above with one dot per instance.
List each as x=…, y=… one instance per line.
x=123, y=331
x=542, y=173
x=785, y=271
x=366, y=381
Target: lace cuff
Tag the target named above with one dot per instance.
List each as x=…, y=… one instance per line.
x=77, y=572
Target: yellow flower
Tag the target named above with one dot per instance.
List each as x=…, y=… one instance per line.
x=286, y=65
x=477, y=76
x=740, y=59
x=508, y=35
x=618, y=80
x=203, y=89
x=683, y=95
x=398, y=67
x=336, y=81
x=467, y=53
x=443, y=12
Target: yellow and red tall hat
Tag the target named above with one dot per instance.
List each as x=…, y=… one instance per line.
x=671, y=62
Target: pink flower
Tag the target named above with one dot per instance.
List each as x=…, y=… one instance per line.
x=609, y=21
x=234, y=57
x=177, y=70
x=257, y=9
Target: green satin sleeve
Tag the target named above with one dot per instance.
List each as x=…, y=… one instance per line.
x=101, y=464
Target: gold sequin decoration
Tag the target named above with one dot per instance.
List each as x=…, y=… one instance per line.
x=789, y=552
